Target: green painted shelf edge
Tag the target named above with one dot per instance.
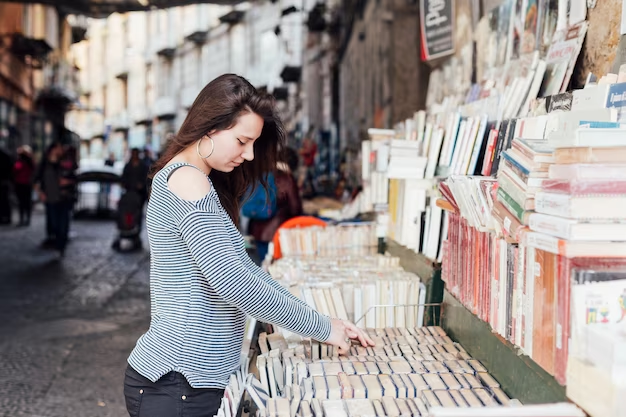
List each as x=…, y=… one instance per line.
x=429, y=273
x=519, y=376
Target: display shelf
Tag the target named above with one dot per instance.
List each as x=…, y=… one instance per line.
x=519, y=376
x=429, y=273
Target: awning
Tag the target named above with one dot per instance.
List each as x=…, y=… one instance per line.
x=103, y=8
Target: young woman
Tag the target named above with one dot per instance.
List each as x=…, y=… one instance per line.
x=202, y=281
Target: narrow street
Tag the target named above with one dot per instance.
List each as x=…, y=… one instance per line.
x=67, y=327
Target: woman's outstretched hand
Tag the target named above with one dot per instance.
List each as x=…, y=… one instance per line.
x=343, y=332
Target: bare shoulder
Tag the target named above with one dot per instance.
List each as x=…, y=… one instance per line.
x=189, y=183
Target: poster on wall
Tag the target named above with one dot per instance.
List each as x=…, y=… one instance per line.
x=437, y=28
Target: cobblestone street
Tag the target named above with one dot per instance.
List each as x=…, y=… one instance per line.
x=67, y=327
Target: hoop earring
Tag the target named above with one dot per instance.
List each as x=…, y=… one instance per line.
x=198, y=148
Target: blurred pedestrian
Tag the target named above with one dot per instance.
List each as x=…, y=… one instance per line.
x=148, y=157
x=308, y=151
x=6, y=175
x=69, y=166
x=53, y=183
x=23, y=177
x=289, y=203
x=135, y=178
x=202, y=282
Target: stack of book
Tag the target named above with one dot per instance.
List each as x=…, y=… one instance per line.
x=522, y=170
x=410, y=372
x=343, y=239
x=371, y=291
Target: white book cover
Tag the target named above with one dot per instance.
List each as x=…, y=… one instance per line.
x=590, y=98
x=382, y=158
x=480, y=138
x=592, y=207
x=455, y=143
x=434, y=152
x=422, y=301
x=522, y=93
x=414, y=203
x=533, y=92
x=561, y=126
x=572, y=229
x=464, y=162
x=599, y=137
x=461, y=145
x=511, y=100
x=452, y=127
x=427, y=137
x=434, y=230
x=366, y=150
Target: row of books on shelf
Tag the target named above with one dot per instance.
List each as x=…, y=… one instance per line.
x=341, y=239
x=579, y=137
x=555, y=308
x=372, y=291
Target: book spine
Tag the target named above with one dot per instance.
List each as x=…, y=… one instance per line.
x=555, y=204
x=562, y=319
x=516, y=164
x=550, y=225
x=516, y=193
x=515, y=170
x=511, y=205
x=488, y=159
x=545, y=243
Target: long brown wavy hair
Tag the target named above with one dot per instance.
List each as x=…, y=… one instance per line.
x=218, y=106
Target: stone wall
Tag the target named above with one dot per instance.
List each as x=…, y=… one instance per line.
x=603, y=36
x=382, y=79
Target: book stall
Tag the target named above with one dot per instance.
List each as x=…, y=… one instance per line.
x=502, y=289
x=515, y=185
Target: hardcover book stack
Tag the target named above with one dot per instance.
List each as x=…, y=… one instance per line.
x=522, y=170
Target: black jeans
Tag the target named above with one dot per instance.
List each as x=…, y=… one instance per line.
x=58, y=217
x=170, y=396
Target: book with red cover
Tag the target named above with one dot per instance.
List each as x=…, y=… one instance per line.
x=489, y=152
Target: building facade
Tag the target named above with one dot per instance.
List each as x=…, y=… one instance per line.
x=38, y=81
x=141, y=71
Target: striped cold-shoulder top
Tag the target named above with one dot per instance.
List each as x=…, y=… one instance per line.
x=202, y=285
